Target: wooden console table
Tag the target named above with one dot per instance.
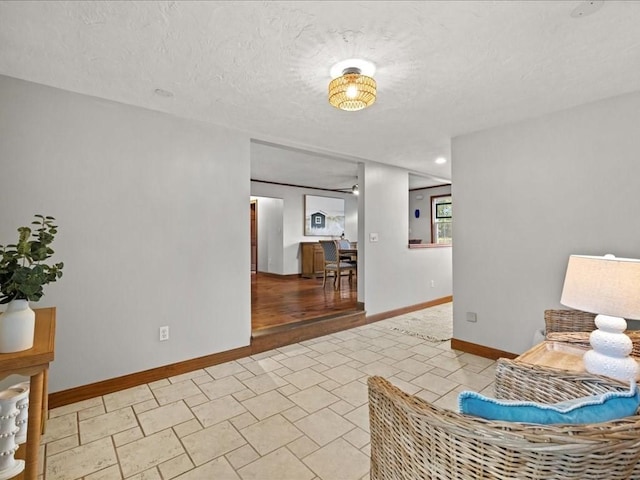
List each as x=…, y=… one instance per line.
x=34, y=363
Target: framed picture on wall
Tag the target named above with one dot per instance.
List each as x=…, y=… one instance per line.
x=323, y=216
x=443, y=210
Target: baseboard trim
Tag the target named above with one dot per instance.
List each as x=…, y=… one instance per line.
x=259, y=343
x=279, y=275
x=84, y=392
x=401, y=311
x=480, y=350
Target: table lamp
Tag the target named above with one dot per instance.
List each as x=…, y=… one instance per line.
x=609, y=287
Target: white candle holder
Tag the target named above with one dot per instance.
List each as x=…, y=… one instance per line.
x=22, y=404
x=9, y=466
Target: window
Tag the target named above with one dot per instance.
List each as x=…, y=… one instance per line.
x=441, y=216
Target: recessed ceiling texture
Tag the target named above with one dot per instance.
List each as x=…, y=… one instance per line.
x=443, y=68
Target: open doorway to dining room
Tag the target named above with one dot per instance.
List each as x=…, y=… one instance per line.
x=281, y=179
x=280, y=298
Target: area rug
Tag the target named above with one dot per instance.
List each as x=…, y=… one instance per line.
x=434, y=324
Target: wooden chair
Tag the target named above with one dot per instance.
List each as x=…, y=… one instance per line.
x=346, y=245
x=333, y=264
x=412, y=439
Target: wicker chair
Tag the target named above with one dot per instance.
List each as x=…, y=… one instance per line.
x=411, y=439
x=574, y=326
x=568, y=321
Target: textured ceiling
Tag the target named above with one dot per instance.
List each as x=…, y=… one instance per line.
x=444, y=68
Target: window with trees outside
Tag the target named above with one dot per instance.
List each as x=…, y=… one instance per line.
x=441, y=217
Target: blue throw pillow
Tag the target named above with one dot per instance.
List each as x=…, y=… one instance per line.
x=593, y=409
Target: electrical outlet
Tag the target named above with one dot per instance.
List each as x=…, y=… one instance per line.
x=164, y=333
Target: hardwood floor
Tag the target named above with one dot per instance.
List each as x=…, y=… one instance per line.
x=281, y=300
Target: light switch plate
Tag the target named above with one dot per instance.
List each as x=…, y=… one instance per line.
x=373, y=237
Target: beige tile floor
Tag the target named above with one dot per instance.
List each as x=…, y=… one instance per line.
x=298, y=412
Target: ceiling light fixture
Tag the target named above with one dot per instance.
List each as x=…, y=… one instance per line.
x=355, y=190
x=352, y=91
x=441, y=160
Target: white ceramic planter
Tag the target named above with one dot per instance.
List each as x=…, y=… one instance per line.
x=9, y=466
x=17, y=326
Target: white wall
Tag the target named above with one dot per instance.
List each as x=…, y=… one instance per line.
x=395, y=276
x=270, y=232
x=421, y=227
x=151, y=209
x=148, y=208
x=527, y=196
x=293, y=219
x=390, y=275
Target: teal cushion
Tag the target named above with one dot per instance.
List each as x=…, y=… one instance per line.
x=593, y=409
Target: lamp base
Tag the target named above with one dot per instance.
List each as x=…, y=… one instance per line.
x=611, y=349
x=624, y=369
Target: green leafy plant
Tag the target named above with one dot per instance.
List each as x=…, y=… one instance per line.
x=23, y=271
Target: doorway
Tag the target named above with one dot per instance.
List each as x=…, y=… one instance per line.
x=254, y=236
x=279, y=298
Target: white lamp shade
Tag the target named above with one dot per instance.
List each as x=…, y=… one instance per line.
x=603, y=285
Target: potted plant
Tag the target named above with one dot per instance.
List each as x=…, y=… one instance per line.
x=23, y=274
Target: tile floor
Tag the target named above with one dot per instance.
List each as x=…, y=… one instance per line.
x=298, y=412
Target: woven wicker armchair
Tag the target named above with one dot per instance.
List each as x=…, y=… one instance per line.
x=574, y=326
x=568, y=321
x=412, y=439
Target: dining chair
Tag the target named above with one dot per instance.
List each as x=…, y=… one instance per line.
x=344, y=244
x=332, y=263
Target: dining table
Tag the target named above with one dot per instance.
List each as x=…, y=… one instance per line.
x=351, y=253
